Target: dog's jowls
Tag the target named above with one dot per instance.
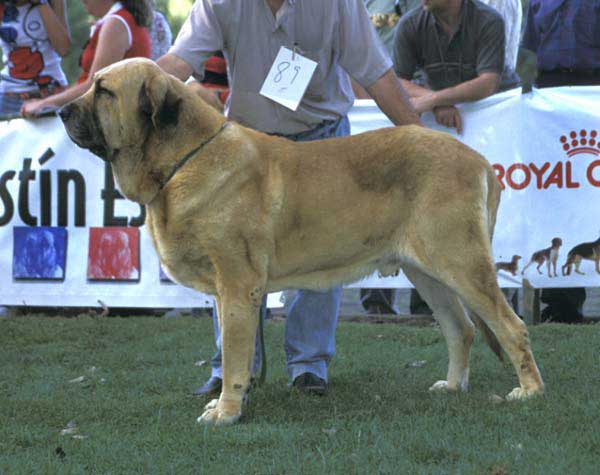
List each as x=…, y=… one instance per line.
x=251, y=213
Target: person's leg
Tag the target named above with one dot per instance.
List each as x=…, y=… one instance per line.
x=310, y=332
x=418, y=306
x=311, y=321
x=216, y=362
x=379, y=301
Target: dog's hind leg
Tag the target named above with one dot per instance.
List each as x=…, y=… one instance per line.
x=577, y=261
x=538, y=267
x=474, y=280
x=525, y=268
x=457, y=328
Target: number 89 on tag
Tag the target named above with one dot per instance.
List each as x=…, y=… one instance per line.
x=288, y=78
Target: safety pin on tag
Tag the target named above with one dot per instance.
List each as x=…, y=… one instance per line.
x=294, y=49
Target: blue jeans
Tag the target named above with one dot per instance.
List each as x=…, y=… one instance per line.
x=310, y=324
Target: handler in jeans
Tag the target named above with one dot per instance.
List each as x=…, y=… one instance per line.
x=338, y=35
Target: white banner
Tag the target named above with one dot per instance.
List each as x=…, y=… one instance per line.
x=67, y=238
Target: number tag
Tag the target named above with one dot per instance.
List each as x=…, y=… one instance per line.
x=288, y=78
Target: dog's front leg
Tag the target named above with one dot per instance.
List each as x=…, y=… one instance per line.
x=239, y=307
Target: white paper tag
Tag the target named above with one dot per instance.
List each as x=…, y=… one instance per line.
x=288, y=78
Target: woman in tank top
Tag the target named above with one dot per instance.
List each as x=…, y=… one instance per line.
x=120, y=32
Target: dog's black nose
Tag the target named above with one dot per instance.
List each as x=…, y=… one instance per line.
x=65, y=112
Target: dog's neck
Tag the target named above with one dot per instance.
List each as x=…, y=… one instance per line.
x=188, y=156
x=171, y=145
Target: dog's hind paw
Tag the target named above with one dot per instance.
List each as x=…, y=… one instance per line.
x=520, y=394
x=446, y=387
x=441, y=386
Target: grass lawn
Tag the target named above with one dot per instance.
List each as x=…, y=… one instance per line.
x=134, y=413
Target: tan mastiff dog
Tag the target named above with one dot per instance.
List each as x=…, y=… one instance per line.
x=237, y=213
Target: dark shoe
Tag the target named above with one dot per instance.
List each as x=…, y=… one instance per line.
x=310, y=383
x=212, y=387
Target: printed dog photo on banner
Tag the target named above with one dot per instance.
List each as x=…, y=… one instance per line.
x=113, y=254
x=39, y=253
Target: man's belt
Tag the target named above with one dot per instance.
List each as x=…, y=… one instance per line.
x=381, y=20
x=574, y=71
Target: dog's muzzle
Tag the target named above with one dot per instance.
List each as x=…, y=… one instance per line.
x=82, y=131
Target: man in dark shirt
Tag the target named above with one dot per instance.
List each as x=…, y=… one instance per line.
x=459, y=45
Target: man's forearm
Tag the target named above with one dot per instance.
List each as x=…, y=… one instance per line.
x=176, y=66
x=392, y=99
x=414, y=90
x=479, y=88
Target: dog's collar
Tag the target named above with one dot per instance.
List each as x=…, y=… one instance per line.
x=189, y=155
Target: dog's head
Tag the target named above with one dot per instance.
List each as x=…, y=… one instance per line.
x=124, y=118
x=556, y=242
x=516, y=258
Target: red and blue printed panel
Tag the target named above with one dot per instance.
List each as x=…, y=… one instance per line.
x=39, y=253
x=114, y=254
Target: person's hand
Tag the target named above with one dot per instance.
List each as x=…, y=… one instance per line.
x=448, y=116
x=210, y=96
x=34, y=108
x=424, y=103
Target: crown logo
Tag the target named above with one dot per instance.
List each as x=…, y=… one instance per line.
x=583, y=142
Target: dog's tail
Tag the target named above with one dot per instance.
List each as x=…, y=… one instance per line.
x=488, y=336
x=493, y=190
x=492, y=199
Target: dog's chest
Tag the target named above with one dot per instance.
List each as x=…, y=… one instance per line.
x=182, y=257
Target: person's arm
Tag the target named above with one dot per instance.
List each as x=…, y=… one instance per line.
x=56, y=25
x=481, y=87
x=531, y=37
x=176, y=66
x=363, y=57
x=392, y=99
x=448, y=116
x=490, y=43
x=113, y=43
x=414, y=90
x=210, y=96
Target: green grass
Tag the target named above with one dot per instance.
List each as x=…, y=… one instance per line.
x=138, y=417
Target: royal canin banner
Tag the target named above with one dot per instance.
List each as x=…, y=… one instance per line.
x=68, y=238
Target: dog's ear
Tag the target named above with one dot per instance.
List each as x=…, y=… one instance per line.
x=158, y=103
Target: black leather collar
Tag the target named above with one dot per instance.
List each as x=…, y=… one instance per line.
x=189, y=155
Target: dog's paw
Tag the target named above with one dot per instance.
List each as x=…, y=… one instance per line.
x=520, y=394
x=441, y=387
x=214, y=416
